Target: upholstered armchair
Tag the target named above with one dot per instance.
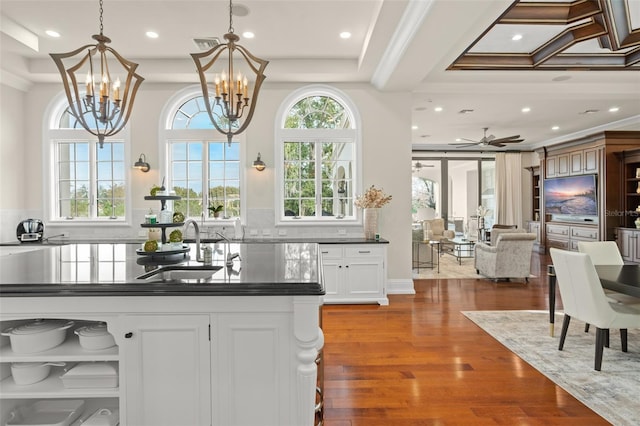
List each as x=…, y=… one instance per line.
x=434, y=230
x=497, y=230
x=509, y=256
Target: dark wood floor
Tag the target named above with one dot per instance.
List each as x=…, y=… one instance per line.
x=419, y=361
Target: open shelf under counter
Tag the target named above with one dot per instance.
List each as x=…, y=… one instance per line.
x=69, y=350
x=52, y=387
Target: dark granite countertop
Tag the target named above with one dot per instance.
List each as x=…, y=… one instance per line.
x=266, y=269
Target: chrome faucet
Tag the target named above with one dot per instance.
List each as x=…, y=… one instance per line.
x=197, y=231
x=230, y=256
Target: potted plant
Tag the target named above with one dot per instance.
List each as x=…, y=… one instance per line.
x=216, y=209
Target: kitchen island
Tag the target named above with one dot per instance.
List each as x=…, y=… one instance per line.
x=238, y=345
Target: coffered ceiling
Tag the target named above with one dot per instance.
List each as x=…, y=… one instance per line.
x=575, y=60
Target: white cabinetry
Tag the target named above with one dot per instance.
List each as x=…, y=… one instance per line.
x=185, y=360
x=355, y=273
x=167, y=369
x=629, y=244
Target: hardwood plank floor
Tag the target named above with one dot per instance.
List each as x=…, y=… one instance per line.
x=419, y=361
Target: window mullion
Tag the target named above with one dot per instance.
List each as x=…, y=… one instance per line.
x=205, y=178
x=318, y=177
x=93, y=181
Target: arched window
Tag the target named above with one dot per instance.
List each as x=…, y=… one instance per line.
x=83, y=182
x=318, y=149
x=201, y=166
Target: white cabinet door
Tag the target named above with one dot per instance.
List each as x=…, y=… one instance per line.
x=364, y=277
x=167, y=370
x=354, y=273
x=635, y=244
x=254, y=369
x=625, y=243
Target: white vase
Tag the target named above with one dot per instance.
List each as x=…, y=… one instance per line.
x=370, y=222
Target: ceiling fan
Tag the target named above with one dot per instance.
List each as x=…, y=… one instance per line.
x=489, y=140
x=417, y=166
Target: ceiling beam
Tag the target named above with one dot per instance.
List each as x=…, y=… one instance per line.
x=550, y=13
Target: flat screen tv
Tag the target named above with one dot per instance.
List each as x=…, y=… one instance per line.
x=571, y=196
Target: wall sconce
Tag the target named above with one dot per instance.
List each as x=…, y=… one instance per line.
x=259, y=164
x=142, y=164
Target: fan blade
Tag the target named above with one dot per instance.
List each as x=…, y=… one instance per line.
x=470, y=140
x=489, y=138
x=498, y=144
x=507, y=138
x=511, y=141
x=462, y=145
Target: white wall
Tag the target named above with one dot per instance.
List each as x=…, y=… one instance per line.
x=386, y=153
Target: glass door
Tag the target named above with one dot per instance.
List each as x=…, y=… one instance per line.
x=453, y=189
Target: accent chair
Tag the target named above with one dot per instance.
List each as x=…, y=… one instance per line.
x=508, y=257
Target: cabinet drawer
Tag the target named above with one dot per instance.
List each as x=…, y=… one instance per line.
x=364, y=251
x=331, y=252
x=561, y=244
x=558, y=230
x=584, y=233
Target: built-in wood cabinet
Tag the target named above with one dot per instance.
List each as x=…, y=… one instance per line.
x=601, y=154
x=629, y=244
x=354, y=273
x=567, y=236
x=631, y=187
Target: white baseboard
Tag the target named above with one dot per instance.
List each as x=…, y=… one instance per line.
x=400, y=286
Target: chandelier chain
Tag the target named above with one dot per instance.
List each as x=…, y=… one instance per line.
x=230, y=16
x=101, y=24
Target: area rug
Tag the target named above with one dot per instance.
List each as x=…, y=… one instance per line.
x=451, y=269
x=612, y=393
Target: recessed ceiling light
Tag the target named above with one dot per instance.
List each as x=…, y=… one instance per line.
x=561, y=78
x=458, y=140
x=420, y=109
x=614, y=109
x=526, y=109
x=425, y=136
x=438, y=109
x=465, y=111
x=52, y=33
x=516, y=37
x=152, y=34
x=555, y=128
x=414, y=127
x=345, y=35
x=589, y=111
x=248, y=34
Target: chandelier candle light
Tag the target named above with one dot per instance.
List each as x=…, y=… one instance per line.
x=371, y=202
x=104, y=110
x=231, y=87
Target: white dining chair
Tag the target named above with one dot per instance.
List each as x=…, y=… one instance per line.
x=583, y=298
x=607, y=253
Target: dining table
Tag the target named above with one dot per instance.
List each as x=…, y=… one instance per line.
x=624, y=279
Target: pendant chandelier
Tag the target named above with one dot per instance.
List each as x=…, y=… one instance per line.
x=233, y=99
x=103, y=109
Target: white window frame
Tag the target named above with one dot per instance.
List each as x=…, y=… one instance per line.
x=167, y=135
x=53, y=134
x=318, y=135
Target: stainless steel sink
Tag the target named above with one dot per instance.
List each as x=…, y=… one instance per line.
x=181, y=272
